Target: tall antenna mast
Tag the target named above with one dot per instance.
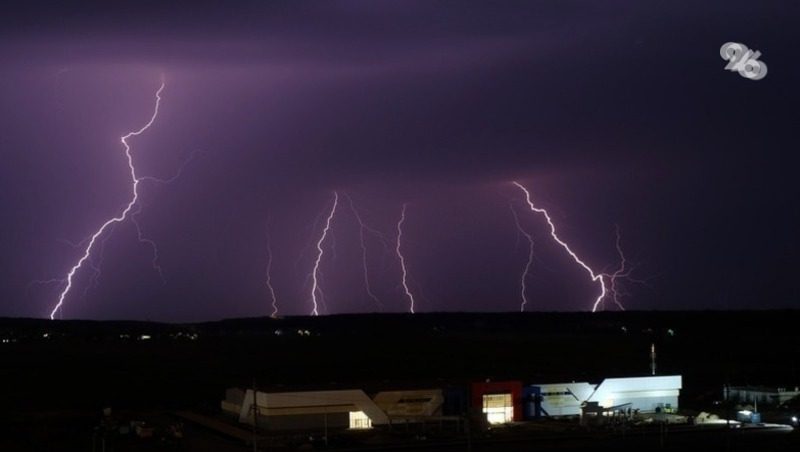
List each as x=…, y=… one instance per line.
x=652, y=359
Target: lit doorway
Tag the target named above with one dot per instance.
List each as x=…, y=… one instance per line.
x=359, y=420
x=498, y=408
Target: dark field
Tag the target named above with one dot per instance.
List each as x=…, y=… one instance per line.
x=57, y=375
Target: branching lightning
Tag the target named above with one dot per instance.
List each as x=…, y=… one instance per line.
x=622, y=272
x=524, y=277
x=364, y=228
x=149, y=242
x=403, y=260
x=596, y=277
x=315, y=290
x=269, y=276
x=118, y=219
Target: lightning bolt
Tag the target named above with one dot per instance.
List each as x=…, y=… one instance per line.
x=269, y=276
x=149, y=242
x=122, y=216
x=596, y=277
x=524, y=277
x=621, y=272
x=363, y=228
x=315, y=273
x=402, y=259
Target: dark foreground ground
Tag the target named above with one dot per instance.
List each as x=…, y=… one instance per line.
x=56, y=376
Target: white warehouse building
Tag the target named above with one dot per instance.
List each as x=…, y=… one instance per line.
x=649, y=394
x=563, y=399
x=350, y=408
x=644, y=394
x=337, y=409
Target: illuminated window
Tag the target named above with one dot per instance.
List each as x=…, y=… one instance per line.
x=359, y=420
x=498, y=408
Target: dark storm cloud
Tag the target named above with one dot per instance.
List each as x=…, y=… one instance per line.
x=615, y=112
x=450, y=84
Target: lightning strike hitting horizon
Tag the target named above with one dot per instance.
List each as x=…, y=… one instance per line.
x=402, y=258
x=524, y=277
x=124, y=215
x=596, y=277
x=363, y=227
x=94, y=278
x=315, y=273
x=95, y=267
x=269, y=277
x=621, y=272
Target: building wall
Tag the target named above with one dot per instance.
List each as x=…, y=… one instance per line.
x=456, y=401
x=562, y=399
x=305, y=422
x=498, y=387
x=645, y=394
x=420, y=402
x=766, y=396
x=649, y=404
x=302, y=410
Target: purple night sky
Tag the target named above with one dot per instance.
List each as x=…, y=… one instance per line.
x=612, y=113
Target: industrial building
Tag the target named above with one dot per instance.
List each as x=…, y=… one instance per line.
x=760, y=394
x=304, y=410
x=351, y=409
x=637, y=394
x=498, y=402
x=556, y=399
x=652, y=394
